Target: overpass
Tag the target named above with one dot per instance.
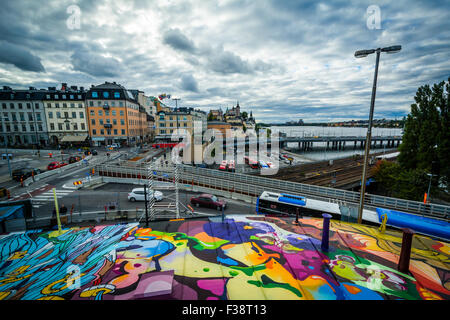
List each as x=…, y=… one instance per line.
x=252, y=187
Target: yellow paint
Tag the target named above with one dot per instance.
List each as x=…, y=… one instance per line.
x=17, y=255
x=51, y=298
x=4, y=294
x=57, y=233
x=49, y=290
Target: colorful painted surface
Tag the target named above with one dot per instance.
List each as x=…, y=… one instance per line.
x=243, y=258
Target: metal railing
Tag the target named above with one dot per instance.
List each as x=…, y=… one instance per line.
x=254, y=185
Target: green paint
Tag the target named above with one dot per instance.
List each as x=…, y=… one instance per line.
x=249, y=270
x=272, y=284
x=233, y=273
x=206, y=269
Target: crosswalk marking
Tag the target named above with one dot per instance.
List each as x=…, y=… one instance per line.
x=46, y=197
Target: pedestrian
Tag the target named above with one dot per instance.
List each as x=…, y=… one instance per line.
x=63, y=209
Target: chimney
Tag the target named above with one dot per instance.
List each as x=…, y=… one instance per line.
x=63, y=86
x=81, y=89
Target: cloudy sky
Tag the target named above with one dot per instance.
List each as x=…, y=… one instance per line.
x=282, y=59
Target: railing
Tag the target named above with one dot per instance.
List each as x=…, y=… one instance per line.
x=255, y=185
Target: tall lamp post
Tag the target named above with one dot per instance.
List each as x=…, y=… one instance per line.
x=361, y=54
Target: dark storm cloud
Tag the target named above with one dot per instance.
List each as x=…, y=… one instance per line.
x=189, y=83
x=20, y=57
x=282, y=59
x=178, y=41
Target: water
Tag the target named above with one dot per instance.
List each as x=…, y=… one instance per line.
x=319, y=151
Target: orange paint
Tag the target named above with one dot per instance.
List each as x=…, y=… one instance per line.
x=204, y=237
x=352, y=289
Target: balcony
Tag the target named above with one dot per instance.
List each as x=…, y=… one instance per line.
x=106, y=106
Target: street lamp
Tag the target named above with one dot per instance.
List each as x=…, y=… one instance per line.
x=361, y=54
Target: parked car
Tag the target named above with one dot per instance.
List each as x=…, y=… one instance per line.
x=74, y=159
x=138, y=194
x=208, y=201
x=113, y=146
x=91, y=151
x=24, y=173
x=56, y=164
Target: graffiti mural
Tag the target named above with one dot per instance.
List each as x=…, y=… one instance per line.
x=249, y=258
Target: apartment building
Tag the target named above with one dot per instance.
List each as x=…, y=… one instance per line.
x=182, y=118
x=115, y=115
x=23, y=119
x=65, y=111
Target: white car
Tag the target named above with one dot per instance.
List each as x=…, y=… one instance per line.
x=137, y=194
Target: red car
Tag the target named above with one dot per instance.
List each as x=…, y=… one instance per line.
x=208, y=201
x=55, y=165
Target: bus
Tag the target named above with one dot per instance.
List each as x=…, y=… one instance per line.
x=279, y=204
x=223, y=165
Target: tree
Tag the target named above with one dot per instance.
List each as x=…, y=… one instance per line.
x=244, y=115
x=426, y=137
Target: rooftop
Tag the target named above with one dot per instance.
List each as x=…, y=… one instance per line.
x=244, y=257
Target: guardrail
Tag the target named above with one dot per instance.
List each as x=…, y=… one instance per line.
x=255, y=185
x=49, y=173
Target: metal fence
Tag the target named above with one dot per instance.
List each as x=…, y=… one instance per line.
x=254, y=185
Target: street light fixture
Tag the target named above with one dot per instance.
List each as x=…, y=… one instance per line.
x=361, y=54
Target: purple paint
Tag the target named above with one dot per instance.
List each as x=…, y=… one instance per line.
x=325, y=231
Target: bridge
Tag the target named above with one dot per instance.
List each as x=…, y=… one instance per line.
x=340, y=142
x=251, y=187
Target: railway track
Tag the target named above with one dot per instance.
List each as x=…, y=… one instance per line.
x=343, y=172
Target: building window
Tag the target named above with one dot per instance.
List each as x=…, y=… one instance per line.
x=58, y=115
x=114, y=121
x=115, y=131
x=108, y=121
x=30, y=116
x=106, y=94
x=52, y=126
x=83, y=127
x=74, y=115
x=67, y=126
x=49, y=105
x=24, y=128
x=116, y=95
x=71, y=97
x=31, y=127
x=28, y=105
x=40, y=127
x=16, y=127
x=81, y=115
x=4, y=105
x=56, y=105
x=38, y=117
x=120, y=104
x=66, y=115
x=113, y=103
x=123, y=131
x=122, y=121
x=11, y=105
x=36, y=105
x=64, y=96
x=94, y=131
x=106, y=112
x=100, y=121
x=121, y=113
x=100, y=112
x=80, y=105
x=91, y=103
x=56, y=96
x=75, y=126
x=13, y=115
x=102, y=132
x=60, y=126
x=113, y=112
x=93, y=122
x=92, y=112
x=64, y=105
x=20, y=105
x=94, y=94
x=72, y=105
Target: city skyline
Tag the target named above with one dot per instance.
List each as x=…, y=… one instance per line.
x=282, y=60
